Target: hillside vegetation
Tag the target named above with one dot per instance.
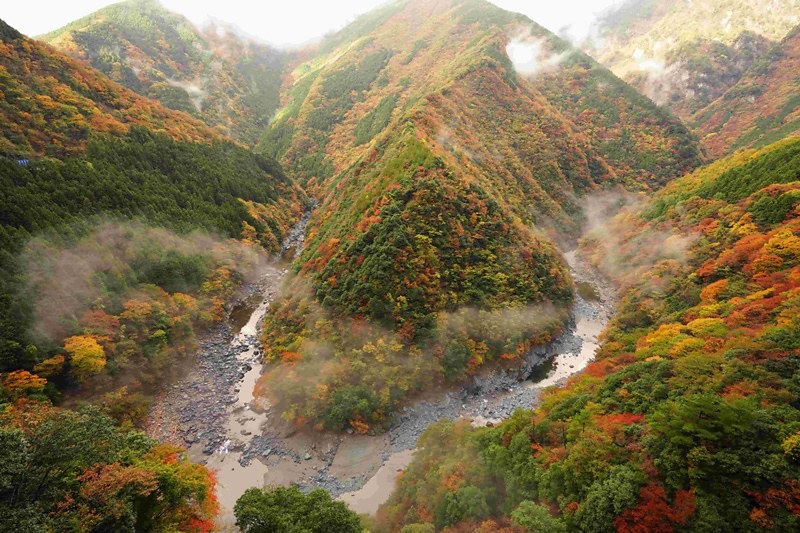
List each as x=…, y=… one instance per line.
x=761, y=108
x=93, y=298
x=654, y=43
x=51, y=104
x=452, y=152
x=431, y=155
x=229, y=81
x=125, y=228
x=688, y=418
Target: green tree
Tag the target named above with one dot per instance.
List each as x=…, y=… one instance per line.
x=63, y=470
x=608, y=498
x=469, y=502
x=418, y=528
x=287, y=510
x=537, y=519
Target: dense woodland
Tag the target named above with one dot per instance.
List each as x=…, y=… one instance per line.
x=666, y=66
x=761, y=108
x=689, y=417
x=288, y=509
x=426, y=185
x=228, y=81
x=147, y=290
x=149, y=168
x=70, y=470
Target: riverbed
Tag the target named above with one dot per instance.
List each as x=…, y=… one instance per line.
x=496, y=394
x=212, y=410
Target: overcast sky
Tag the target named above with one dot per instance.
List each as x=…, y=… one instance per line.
x=286, y=22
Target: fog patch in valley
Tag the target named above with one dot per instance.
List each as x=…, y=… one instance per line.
x=65, y=279
x=193, y=89
x=622, y=245
x=364, y=353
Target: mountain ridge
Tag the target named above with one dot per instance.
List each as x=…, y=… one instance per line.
x=762, y=107
x=701, y=59
x=638, y=35
x=229, y=81
x=65, y=101
x=383, y=149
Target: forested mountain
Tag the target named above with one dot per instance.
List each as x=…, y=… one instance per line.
x=685, y=53
x=700, y=71
x=124, y=227
x=227, y=80
x=51, y=104
x=431, y=154
x=450, y=150
x=688, y=419
x=762, y=107
x=116, y=168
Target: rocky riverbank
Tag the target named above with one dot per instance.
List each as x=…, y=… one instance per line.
x=494, y=395
x=196, y=409
x=212, y=410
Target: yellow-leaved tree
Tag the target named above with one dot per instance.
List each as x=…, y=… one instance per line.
x=86, y=355
x=21, y=383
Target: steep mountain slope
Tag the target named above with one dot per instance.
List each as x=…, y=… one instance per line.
x=98, y=302
x=228, y=81
x=350, y=93
x=762, y=107
x=685, y=53
x=432, y=156
x=700, y=71
x=135, y=292
x=689, y=418
x=50, y=103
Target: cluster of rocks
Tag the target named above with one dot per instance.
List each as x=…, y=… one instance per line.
x=323, y=479
x=295, y=240
x=263, y=446
x=195, y=410
x=201, y=402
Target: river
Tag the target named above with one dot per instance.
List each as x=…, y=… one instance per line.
x=212, y=410
x=496, y=394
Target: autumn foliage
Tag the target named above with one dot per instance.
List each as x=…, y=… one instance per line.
x=688, y=419
x=77, y=471
x=51, y=103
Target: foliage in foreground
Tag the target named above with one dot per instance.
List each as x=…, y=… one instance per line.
x=287, y=510
x=689, y=418
x=66, y=470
